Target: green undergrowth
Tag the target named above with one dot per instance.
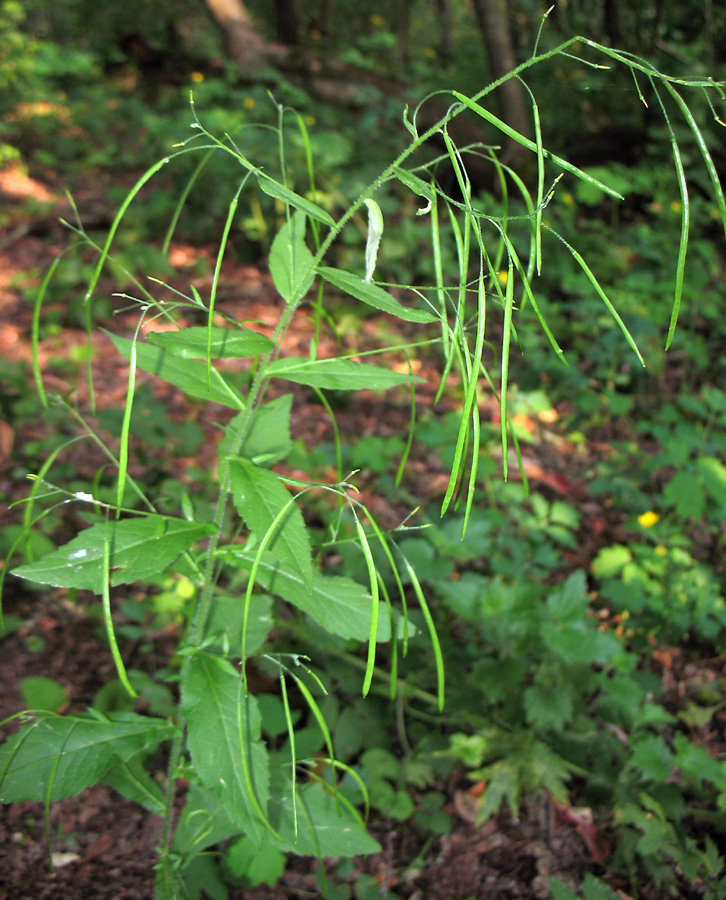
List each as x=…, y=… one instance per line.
x=327, y=669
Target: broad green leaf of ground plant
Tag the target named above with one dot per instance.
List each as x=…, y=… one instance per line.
x=224, y=741
x=340, y=605
x=337, y=374
x=133, y=782
x=373, y=295
x=58, y=756
x=140, y=548
x=203, y=822
x=268, y=440
x=291, y=263
x=227, y=343
x=188, y=374
x=226, y=622
x=326, y=826
x=265, y=503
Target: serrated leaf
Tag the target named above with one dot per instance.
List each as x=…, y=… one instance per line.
x=280, y=192
x=337, y=374
x=373, y=295
x=261, y=499
x=73, y=752
x=133, y=782
x=713, y=472
x=685, y=493
x=546, y=708
x=140, y=548
x=203, y=822
x=326, y=828
x=560, y=891
x=223, y=727
x=342, y=606
x=291, y=263
x=653, y=758
x=569, y=601
x=226, y=622
x=227, y=343
x=190, y=375
x=594, y=889
x=268, y=440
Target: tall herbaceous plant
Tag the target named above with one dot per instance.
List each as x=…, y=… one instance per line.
x=256, y=545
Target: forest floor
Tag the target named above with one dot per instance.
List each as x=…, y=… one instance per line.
x=104, y=846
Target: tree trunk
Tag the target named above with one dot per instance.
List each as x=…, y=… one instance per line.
x=443, y=15
x=287, y=21
x=245, y=45
x=494, y=25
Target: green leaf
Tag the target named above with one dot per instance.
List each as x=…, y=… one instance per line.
x=132, y=781
x=227, y=343
x=373, y=295
x=342, y=606
x=268, y=440
x=326, y=827
x=653, y=758
x=224, y=741
x=560, y=891
x=225, y=624
x=610, y=561
x=713, y=472
x=70, y=753
x=594, y=889
x=203, y=822
x=43, y=693
x=188, y=374
x=415, y=184
x=546, y=708
x=291, y=263
x=264, y=502
x=280, y=192
x=140, y=548
x=337, y=374
x=251, y=866
x=685, y=493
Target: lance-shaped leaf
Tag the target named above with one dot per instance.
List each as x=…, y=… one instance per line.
x=325, y=826
x=337, y=374
x=58, y=756
x=227, y=343
x=188, y=374
x=140, y=548
x=132, y=781
x=224, y=741
x=291, y=263
x=280, y=192
x=265, y=503
x=268, y=440
x=342, y=606
x=373, y=295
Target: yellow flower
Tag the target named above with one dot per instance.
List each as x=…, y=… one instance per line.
x=309, y=120
x=568, y=199
x=502, y=277
x=660, y=550
x=676, y=206
x=430, y=52
x=197, y=76
x=376, y=19
x=648, y=519
x=249, y=103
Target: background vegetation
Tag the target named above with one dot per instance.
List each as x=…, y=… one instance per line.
x=581, y=617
